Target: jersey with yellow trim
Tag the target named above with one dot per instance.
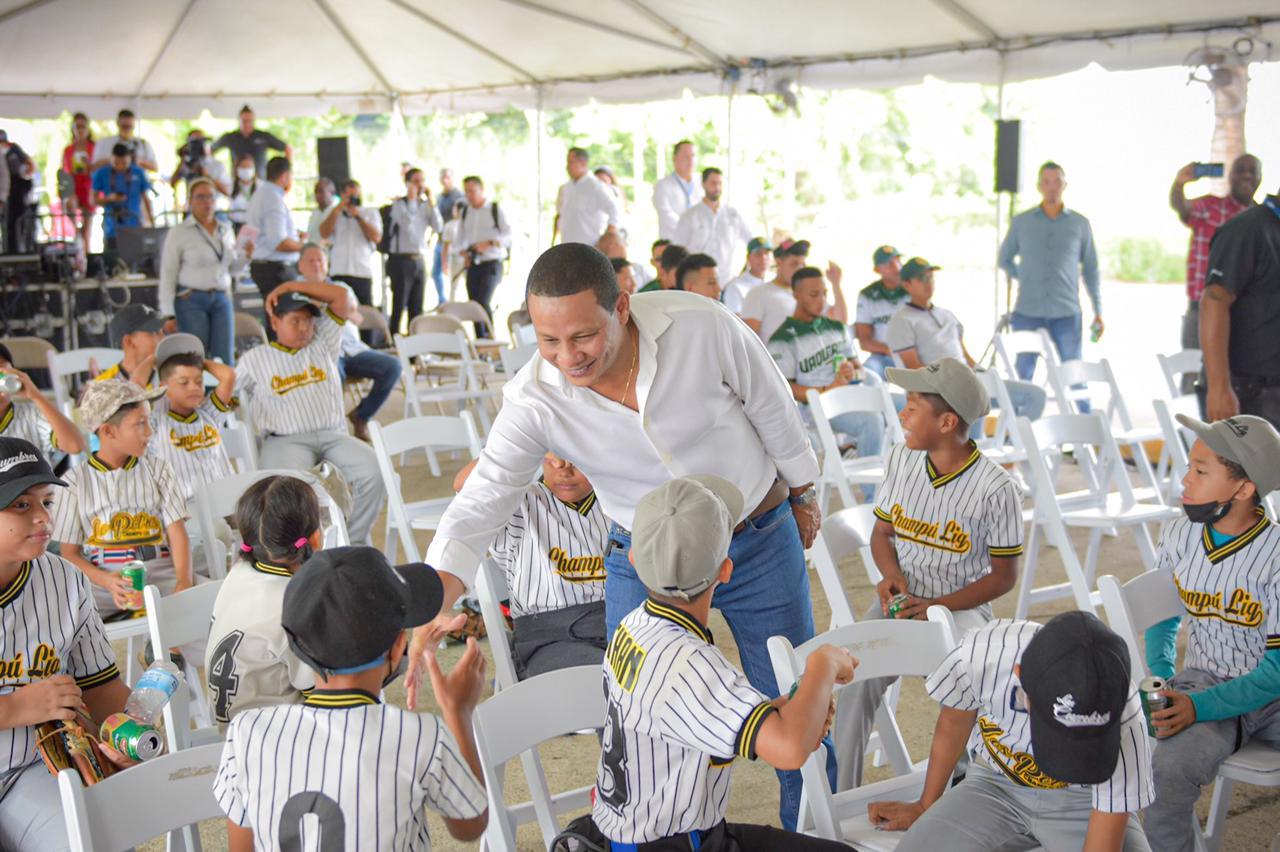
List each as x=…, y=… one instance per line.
x=296, y=390
x=978, y=676
x=247, y=659
x=117, y=371
x=552, y=552
x=48, y=625
x=192, y=445
x=947, y=528
x=342, y=771
x=1231, y=593
x=114, y=508
x=679, y=713
x=23, y=420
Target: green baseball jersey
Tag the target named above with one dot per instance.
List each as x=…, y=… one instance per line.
x=876, y=304
x=805, y=351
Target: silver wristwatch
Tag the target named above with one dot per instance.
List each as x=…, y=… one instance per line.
x=805, y=497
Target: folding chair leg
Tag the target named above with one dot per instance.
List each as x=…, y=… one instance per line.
x=540, y=795
x=1146, y=549
x=1216, y=825
x=1028, y=571
x=1075, y=574
x=391, y=544
x=1091, y=557
x=891, y=741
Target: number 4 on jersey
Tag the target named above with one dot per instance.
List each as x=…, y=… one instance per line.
x=223, y=680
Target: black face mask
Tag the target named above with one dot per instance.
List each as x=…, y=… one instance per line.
x=1206, y=513
x=396, y=672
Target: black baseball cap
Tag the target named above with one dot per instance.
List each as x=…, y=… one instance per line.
x=1075, y=672
x=799, y=248
x=294, y=301
x=344, y=607
x=135, y=317
x=22, y=466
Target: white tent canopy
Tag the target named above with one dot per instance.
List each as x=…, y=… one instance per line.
x=296, y=57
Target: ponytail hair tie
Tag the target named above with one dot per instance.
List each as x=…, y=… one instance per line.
x=302, y=540
x=245, y=548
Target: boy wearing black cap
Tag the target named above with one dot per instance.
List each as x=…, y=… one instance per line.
x=948, y=528
x=136, y=330
x=188, y=422
x=1223, y=559
x=29, y=415
x=366, y=769
x=1060, y=753
x=55, y=654
x=679, y=711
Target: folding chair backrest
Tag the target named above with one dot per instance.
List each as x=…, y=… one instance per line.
x=1077, y=372
x=240, y=446
x=65, y=366
x=1095, y=450
x=29, y=352
x=1003, y=408
x=440, y=432
x=491, y=588
x=435, y=324
x=524, y=334
x=1177, y=441
x=176, y=620
x=514, y=359
x=372, y=319
x=1132, y=607
x=1011, y=344
x=523, y=716
x=884, y=648
x=451, y=343
x=844, y=534
x=147, y=800
x=467, y=312
x=1175, y=365
x=247, y=325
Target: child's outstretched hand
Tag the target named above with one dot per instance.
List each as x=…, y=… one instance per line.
x=459, y=691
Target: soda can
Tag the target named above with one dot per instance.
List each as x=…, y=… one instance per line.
x=132, y=738
x=9, y=383
x=136, y=573
x=896, y=603
x=1150, y=693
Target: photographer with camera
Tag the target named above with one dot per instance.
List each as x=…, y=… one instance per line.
x=352, y=233
x=139, y=149
x=121, y=190
x=195, y=160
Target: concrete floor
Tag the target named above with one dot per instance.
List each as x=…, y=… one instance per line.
x=571, y=762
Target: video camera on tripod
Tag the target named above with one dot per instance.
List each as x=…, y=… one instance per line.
x=193, y=154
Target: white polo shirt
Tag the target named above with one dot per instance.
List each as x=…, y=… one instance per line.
x=350, y=251
x=586, y=208
x=770, y=305
x=716, y=232
x=934, y=333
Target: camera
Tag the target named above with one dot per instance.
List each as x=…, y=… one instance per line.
x=194, y=152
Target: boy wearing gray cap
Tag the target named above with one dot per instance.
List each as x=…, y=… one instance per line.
x=679, y=712
x=1223, y=558
x=948, y=528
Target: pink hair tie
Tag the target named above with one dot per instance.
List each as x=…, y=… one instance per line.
x=246, y=548
x=297, y=545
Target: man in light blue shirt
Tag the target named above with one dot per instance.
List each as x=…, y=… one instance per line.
x=1046, y=250
x=277, y=240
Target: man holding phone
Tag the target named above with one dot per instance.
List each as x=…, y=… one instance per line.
x=1204, y=215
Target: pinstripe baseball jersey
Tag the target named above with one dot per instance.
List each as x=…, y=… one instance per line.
x=117, y=509
x=296, y=390
x=192, y=445
x=117, y=371
x=247, y=659
x=1231, y=592
x=978, y=675
x=48, y=626
x=23, y=420
x=679, y=713
x=362, y=769
x=947, y=527
x=553, y=552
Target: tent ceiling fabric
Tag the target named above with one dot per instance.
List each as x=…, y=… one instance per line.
x=296, y=57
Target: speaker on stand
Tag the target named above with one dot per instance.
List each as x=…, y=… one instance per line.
x=333, y=159
x=1007, y=169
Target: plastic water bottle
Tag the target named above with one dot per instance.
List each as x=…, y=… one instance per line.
x=153, y=691
x=9, y=383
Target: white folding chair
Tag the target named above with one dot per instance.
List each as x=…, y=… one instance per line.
x=522, y=335
x=241, y=446
x=164, y=795
x=178, y=620
x=1010, y=344
x=517, y=720
x=1107, y=503
x=65, y=366
x=884, y=648
x=431, y=434
x=1177, y=442
x=1133, y=607
x=839, y=473
x=1003, y=446
x=491, y=590
x=463, y=388
x=515, y=358
x=1172, y=367
x=218, y=500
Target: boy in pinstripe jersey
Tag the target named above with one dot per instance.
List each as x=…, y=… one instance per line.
x=948, y=528
x=30, y=415
x=188, y=422
x=1224, y=558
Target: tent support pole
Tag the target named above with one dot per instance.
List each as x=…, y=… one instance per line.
x=728, y=163
x=995, y=289
x=538, y=170
x=164, y=48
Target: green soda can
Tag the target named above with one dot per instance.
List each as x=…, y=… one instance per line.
x=1151, y=694
x=136, y=573
x=896, y=603
x=132, y=738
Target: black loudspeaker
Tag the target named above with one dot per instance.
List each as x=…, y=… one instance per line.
x=1007, y=136
x=335, y=164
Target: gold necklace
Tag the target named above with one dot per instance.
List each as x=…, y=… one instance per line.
x=635, y=359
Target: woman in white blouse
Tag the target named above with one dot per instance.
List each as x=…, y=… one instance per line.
x=244, y=184
x=195, y=274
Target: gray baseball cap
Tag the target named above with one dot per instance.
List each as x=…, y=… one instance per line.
x=1249, y=441
x=681, y=533
x=178, y=344
x=101, y=400
x=949, y=379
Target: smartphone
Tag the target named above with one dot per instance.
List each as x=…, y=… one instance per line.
x=1211, y=170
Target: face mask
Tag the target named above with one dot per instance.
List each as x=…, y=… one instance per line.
x=1206, y=513
x=395, y=673
x=245, y=174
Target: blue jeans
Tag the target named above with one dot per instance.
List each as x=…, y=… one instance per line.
x=876, y=363
x=384, y=369
x=1028, y=401
x=1065, y=333
x=767, y=596
x=437, y=271
x=209, y=315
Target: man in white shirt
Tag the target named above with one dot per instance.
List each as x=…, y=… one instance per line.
x=484, y=236
x=759, y=252
x=326, y=195
x=585, y=208
x=612, y=389
x=710, y=227
x=411, y=216
x=144, y=156
x=277, y=241
x=353, y=232
x=676, y=192
x=765, y=308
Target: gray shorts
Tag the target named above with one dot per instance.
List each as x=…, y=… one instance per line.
x=559, y=639
x=31, y=811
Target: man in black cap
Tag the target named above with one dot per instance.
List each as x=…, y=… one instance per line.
x=136, y=329
x=345, y=613
x=1060, y=755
